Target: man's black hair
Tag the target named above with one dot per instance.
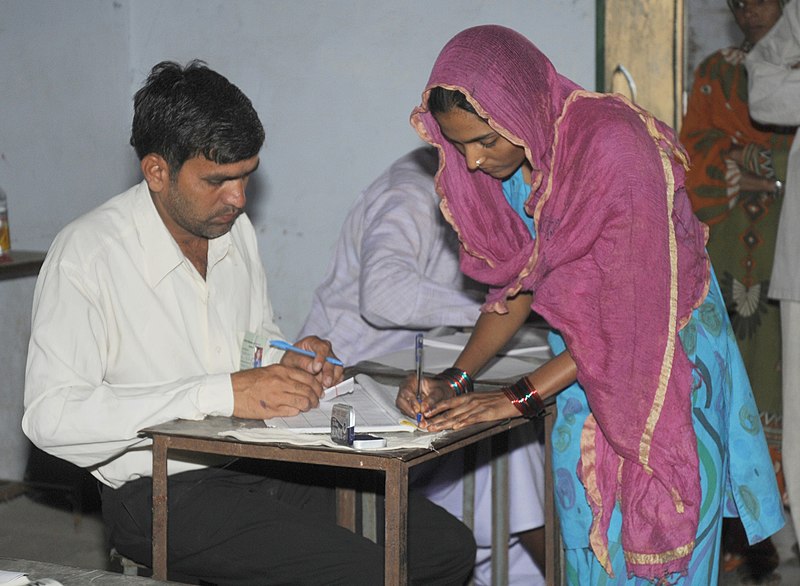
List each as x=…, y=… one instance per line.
x=184, y=112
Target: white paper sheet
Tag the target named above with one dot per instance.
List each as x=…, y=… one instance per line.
x=372, y=402
x=523, y=354
x=13, y=578
x=394, y=441
x=526, y=342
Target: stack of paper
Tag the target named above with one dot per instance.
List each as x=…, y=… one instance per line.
x=375, y=411
x=372, y=402
x=13, y=578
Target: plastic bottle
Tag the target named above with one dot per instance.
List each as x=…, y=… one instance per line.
x=5, y=237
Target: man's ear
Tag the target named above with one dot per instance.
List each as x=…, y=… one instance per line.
x=156, y=172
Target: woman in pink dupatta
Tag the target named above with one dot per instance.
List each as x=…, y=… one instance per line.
x=572, y=204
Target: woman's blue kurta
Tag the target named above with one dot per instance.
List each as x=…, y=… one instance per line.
x=736, y=474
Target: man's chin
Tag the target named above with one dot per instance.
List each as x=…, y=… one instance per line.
x=213, y=232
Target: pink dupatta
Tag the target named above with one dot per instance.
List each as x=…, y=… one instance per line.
x=617, y=267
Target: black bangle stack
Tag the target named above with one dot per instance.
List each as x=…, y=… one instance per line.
x=524, y=396
x=459, y=381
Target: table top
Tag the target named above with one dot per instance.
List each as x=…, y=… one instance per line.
x=203, y=435
x=71, y=576
x=189, y=434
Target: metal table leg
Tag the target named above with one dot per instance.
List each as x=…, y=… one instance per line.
x=396, y=552
x=160, y=445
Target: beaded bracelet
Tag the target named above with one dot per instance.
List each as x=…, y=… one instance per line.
x=459, y=381
x=524, y=396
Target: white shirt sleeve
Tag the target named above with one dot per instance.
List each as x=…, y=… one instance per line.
x=126, y=335
x=70, y=410
x=403, y=245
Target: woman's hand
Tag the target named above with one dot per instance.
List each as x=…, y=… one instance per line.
x=735, y=154
x=748, y=181
x=459, y=412
x=433, y=392
x=751, y=182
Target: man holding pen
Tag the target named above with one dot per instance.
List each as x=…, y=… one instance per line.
x=153, y=307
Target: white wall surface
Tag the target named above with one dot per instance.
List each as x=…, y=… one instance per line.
x=333, y=80
x=334, y=83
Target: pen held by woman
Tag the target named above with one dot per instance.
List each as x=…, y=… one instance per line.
x=418, y=363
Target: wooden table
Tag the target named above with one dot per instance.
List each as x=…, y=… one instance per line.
x=20, y=263
x=202, y=436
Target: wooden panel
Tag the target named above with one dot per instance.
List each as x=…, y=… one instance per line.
x=641, y=51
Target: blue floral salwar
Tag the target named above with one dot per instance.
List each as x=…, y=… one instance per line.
x=736, y=473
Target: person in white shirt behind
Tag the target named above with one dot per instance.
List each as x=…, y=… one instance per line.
x=395, y=273
x=773, y=68
x=148, y=309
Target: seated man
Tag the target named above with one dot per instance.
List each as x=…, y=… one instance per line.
x=395, y=273
x=140, y=316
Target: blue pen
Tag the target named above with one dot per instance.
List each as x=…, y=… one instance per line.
x=418, y=363
x=281, y=345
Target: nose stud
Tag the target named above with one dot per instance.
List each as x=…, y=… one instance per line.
x=479, y=162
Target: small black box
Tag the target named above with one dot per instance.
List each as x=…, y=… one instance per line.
x=343, y=423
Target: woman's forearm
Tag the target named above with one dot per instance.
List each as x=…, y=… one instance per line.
x=492, y=332
x=554, y=375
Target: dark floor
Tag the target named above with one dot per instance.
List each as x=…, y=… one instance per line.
x=787, y=574
x=30, y=528
x=35, y=531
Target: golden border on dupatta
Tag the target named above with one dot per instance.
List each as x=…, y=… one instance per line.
x=659, y=558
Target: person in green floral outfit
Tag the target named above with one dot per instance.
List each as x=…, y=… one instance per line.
x=735, y=185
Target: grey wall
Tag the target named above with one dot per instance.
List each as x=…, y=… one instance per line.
x=64, y=92
x=334, y=82
x=709, y=26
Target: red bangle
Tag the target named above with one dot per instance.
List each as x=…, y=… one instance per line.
x=524, y=396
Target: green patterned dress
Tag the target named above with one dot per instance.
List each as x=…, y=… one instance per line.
x=743, y=224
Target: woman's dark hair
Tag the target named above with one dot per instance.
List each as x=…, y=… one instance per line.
x=738, y=4
x=183, y=112
x=442, y=100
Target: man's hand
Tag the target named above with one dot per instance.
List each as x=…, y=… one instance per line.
x=327, y=374
x=276, y=390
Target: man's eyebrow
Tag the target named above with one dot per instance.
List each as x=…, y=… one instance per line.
x=227, y=177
